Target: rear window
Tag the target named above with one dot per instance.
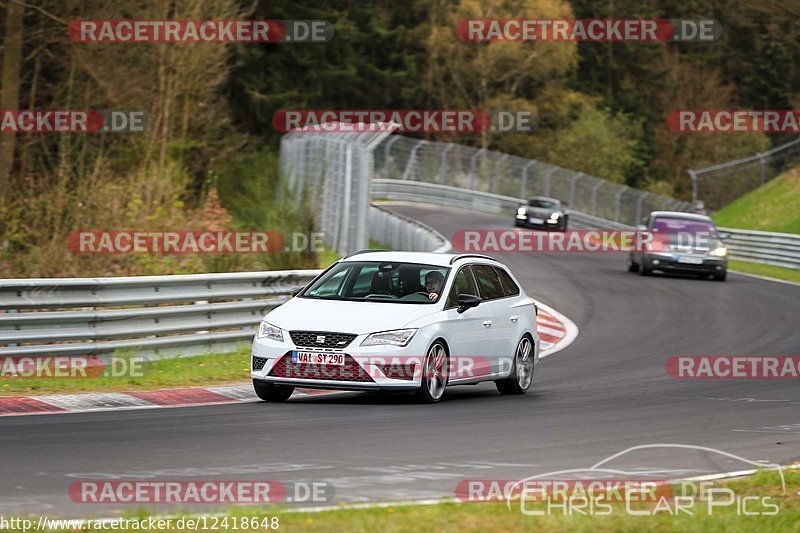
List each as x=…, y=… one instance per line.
x=489, y=282
x=509, y=287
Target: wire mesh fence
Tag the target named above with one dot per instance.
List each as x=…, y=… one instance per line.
x=721, y=184
x=454, y=165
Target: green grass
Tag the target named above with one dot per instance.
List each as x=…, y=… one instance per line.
x=479, y=517
x=775, y=206
x=786, y=274
x=202, y=370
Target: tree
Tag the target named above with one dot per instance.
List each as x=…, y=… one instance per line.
x=9, y=92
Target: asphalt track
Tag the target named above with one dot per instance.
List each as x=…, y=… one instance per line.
x=606, y=392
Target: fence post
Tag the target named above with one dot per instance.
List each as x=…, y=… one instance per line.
x=693, y=176
x=443, y=163
x=472, y=163
x=617, y=202
x=496, y=179
x=594, y=197
x=572, y=189
x=547, y=180
x=639, y=208
x=386, y=148
x=762, y=163
x=524, y=187
x=412, y=159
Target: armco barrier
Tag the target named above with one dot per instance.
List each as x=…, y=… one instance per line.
x=165, y=315
x=779, y=249
x=162, y=315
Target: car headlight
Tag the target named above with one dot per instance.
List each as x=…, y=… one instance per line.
x=719, y=252
x=268, y=331
x=555, y=216
x=398, y=337
x=521, y=211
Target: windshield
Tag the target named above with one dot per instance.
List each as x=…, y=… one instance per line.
x=380, y=282
x=546, y=204
x=682, y=225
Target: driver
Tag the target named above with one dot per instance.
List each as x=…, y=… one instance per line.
x=433, y=283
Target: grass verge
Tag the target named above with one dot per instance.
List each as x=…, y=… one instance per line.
x=201, y=370
x=775, y=206
x=762, y=493
x=786, y=274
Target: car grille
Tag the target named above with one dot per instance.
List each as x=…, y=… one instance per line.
x=331, y=340
x=258, y=363
x=349, y=371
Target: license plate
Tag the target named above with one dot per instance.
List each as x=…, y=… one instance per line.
x=318, y=358
x=536, y=220
x=690, y=260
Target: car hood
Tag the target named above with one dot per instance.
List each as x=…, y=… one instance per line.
x=307, y=314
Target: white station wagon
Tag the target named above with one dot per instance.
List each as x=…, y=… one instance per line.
x=390, y=321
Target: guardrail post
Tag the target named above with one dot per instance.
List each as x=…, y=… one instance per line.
x=618, y=201
x=547, y=180
x=572, y=189
x=496, y=179
x=443, y=163
x=523, y=189
x=472, y=164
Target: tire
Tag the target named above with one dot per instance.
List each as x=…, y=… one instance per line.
x=633, y=266
x=518, y=381
x=435, y=373
x=272, y=393
x=563, y=226
x=644, y=270
x=720, y=276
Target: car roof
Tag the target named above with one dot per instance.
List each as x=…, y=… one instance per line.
x=428, y=258
x=680, y=214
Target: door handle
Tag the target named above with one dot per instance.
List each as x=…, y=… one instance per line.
x=514, y=318
x=487, y=323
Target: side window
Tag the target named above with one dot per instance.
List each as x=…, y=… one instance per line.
x=509, y=287
x=463, y=283
x=489, y=282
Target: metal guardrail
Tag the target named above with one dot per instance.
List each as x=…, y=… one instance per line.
x=155, y=315
x=164, y=315
x=402, y=233
x=415, y=191
x=779, y=249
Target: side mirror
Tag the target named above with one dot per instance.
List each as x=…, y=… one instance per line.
x=294, y=291
x=467, y=301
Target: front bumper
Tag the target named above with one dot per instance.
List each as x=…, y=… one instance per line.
x=364, y=368
x=524, y=221
x=668, y=262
